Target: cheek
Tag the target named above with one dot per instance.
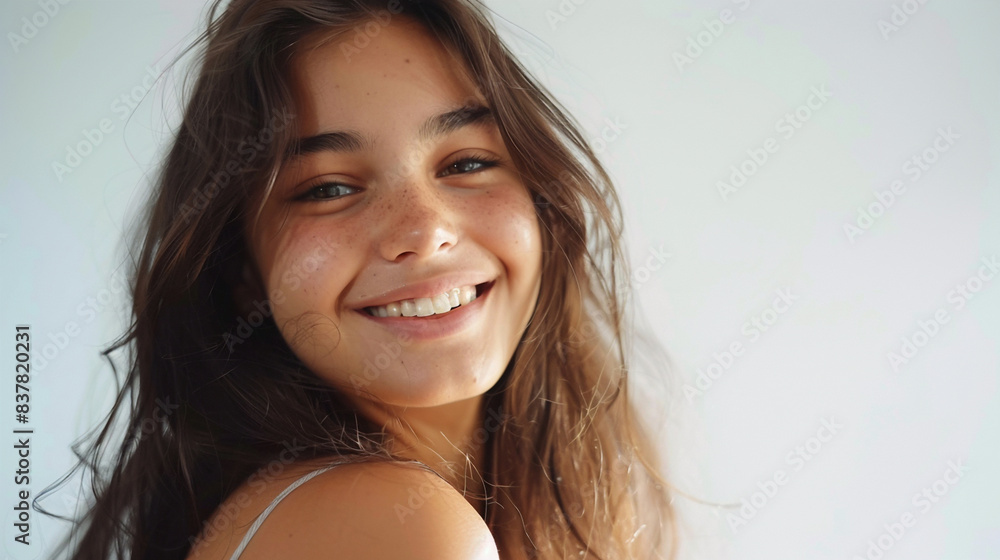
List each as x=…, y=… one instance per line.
x=308, y=273
x=507, y=219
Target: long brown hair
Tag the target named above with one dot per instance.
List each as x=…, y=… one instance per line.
x=570, y=468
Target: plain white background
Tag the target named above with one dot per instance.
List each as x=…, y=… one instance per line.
x=674, y=101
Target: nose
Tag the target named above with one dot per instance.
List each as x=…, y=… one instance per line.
x=418, y=221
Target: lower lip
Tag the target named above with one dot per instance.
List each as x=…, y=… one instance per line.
x=433, y=326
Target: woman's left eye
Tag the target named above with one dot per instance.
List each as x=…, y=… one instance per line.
x=470, y=165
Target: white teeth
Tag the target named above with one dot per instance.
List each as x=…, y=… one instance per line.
x=441, y=303
x=466, y=295
x=407, y=308
x=424, y=307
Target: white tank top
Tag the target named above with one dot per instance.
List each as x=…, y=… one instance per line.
x=260, y=518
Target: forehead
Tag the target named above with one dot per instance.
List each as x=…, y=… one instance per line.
x=344, y=81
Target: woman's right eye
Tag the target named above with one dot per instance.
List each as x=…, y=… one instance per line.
x=326, y=191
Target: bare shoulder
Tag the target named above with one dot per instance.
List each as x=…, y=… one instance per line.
x=372, y=511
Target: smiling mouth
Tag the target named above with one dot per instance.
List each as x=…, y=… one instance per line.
x=441, y=304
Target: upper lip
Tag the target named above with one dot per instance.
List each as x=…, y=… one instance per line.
x=426, y=288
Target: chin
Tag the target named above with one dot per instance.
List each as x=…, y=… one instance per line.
x=429, y=390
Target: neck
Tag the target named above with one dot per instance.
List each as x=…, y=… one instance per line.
x=448, y=438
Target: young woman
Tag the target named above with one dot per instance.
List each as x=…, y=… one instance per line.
x=377, y=309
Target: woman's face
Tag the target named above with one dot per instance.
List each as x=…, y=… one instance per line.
x=382, y=208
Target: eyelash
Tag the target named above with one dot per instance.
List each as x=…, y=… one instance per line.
x=483, y=162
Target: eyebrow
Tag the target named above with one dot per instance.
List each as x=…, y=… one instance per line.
x=434, y=127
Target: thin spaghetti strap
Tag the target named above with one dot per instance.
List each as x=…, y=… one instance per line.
x=260, y=518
